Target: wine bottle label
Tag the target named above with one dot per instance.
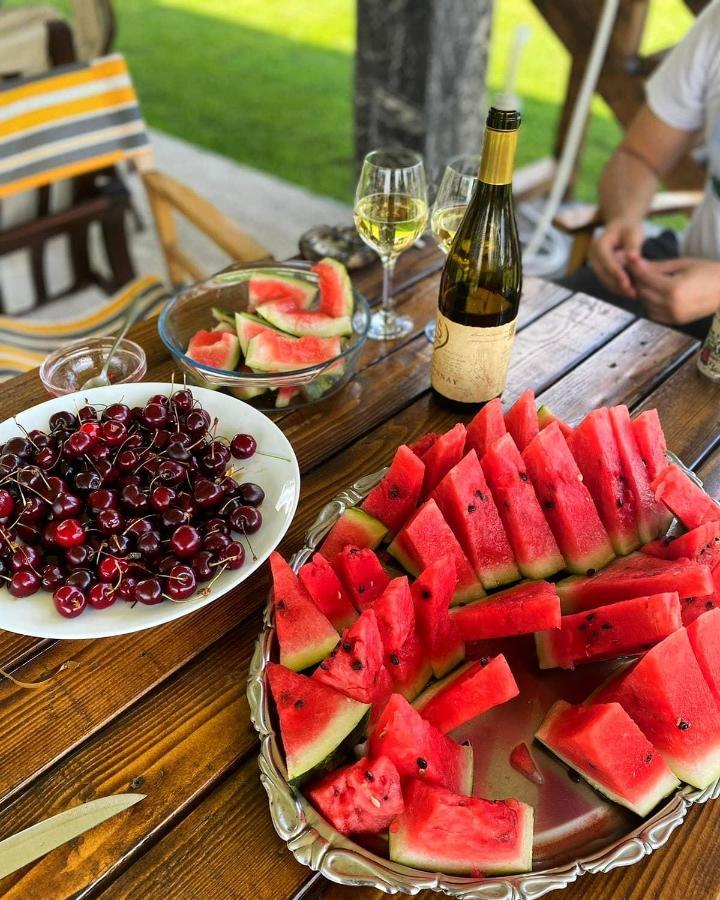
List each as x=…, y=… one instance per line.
x=470, y=364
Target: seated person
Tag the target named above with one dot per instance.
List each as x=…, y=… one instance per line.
x=675, y=279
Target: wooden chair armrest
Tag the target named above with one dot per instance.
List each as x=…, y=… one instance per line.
x=585, y=217
x=167, y=194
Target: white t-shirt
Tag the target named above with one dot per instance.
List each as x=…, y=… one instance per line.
x=684, y=92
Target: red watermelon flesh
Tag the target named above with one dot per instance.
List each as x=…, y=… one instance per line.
x=694, y=607
x=393, y=501
x=277, y=352
x=427, y=536
x=546, y=417
x=445, y=453
x=636, y=575
x=528, y=607
x=354, y=527
x=521, y=420
x=466, y=503
x=362, y=575
x=355, y=667
x=651, y=442
x=566, y=502
x=424, y=443
x=304, y=634
x=704, y=634
x=218, y=349
x=652, y=519
x=432, y=593
x=315, y=720
x=702, y=545
x=684, y=498
x=363, y=798
x=669, y=700
x=534, y=547
x=607, y=748
x=336, y=296
x=596, y=452
x=420, y=751
x=404, y=656
x=467, y=693
x=442, y=832
x=320, y=581
x=486, y=428
x=628, y=626
x=522, y=761
x=265, y=286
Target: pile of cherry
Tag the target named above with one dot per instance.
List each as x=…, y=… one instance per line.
x=119, y=503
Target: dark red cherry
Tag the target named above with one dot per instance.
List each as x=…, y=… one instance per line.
x=79, y=557
x=182, y=400
x=138, y=527
x=216, y=542
x=26, y=558
x=9, y=463
x=46, y=458
x=185, y=541
x=173, y=517
x=165, y=564
x=161, y=399
x=155, y=415
x=182, y=582
x=101, y=499
x=80, y=578
x=69, y=601
x=69, y=533
x=33, y=511
x=20, y=446
x=216, y=524
x=119, y=412
x=202, y=565
x=229, y=486
x=66, y=506
x=233, y=556
x=110, y=521
x=63, y=420
x=149, y=591
x=111, y=568
x=251, y=494
x=243, y=446
x=100, y=596
x=91, y=481
x=134, y=500
x=197, y=422
x=52, y=576
x=171, y=472
x=126, y=589
x=207, y=494
x=161, y=498
x=100, y=451
x=246, y=519
x=113, y=433
x=24, y=582
x=127, y=461
x=149, y=544
x=93, y=429
x=77, y=445
x=178, y=452
x=87, y=414
x=213, y=463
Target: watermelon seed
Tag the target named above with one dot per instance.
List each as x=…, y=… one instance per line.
x=484, y=660
x=299, y=703
x=421, y=763
x=356, y=665
x=480, y=495
x=324, y=666
x=369, y=775
x=709, y=604
x=524, y=476
x=582, y=627
x=590, y=617
x=471, y=508
x=682, y=725
x=619, y=503
x=426, y=594
x=394, y=659
x=591, y=571
x=347, y=647
x=606, y=626
x=281, y=605
x=648, y=758
x=548, y=504
x=394, y=492
x=361, y=589
x=465, y=743
x=375, y=802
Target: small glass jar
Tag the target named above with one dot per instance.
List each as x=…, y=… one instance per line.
x=709, y=359
x=67, y=369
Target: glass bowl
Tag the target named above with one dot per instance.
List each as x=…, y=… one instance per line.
x=191, y=310
x=67, y=369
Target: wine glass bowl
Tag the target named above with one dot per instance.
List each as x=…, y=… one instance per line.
x=391, y=213
x=456, y=188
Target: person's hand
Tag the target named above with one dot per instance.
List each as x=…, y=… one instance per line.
x=676, y=291
x=609, y=254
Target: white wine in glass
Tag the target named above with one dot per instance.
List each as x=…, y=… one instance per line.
x=391, y=213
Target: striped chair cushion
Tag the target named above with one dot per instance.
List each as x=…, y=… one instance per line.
x=75, y=119
x=24, y=345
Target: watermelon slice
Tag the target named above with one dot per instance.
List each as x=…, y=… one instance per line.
x=354, y=527
x=704, y=634
x=395, y=498
x=521, y=420
x=694, y=607
x=609, y=631
x=534, y=547
x=651, y=442
x=355, y=667
x=546, y=417
x=467, y=693
x=607, y=748
x=445, y=453
x=702, y=545
x=336, y=296
x=426, y=537
x=315, y=720
x=247, y=327
x=424, y=443
x=442, y=832
x=466, y=503
x=419, y=750
x=523, y=609
x=278, y=352
x=652, y=519
x=669, y=700
x=304, y=634
x=684, y=498
x=566, y=502
x=432, y=593
x=363, y=798
x=362, y=575
x=263, y=287
x=283, y=314
x=522, y=761
x=320, y=581
x=486, y=428
x=404, y=657
x=636, y=575
x=217, y=349
x=596, y=452
x=284, y=396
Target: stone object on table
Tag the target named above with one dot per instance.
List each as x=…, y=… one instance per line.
x=338, y=242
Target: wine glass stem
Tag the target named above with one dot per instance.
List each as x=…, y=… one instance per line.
x=388, y=269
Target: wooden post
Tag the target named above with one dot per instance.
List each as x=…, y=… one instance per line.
x=420, y=76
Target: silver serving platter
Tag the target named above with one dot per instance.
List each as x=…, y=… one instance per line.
x=317, y=845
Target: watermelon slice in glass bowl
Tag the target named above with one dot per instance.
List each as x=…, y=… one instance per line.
x=297, y=355
x=576, y=831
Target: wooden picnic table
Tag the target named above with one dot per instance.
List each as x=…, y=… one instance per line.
x=164, y=711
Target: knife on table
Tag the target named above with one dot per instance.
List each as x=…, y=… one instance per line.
x=37, y=840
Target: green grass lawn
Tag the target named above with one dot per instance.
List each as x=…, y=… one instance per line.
x=269, y=82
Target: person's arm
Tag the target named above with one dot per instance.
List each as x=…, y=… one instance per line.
x=649, y=150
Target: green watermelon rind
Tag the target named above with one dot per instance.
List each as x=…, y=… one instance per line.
x=307, y=291
x=240, y=321
x=664, y=787
x=341, y=732
x=432, y=690
x=299, y=324
x=310, y=656
x=260, y=355
x=344, y=286
x=369, y=528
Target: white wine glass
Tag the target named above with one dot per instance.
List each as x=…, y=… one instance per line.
x=391, y=212
x=456, y=188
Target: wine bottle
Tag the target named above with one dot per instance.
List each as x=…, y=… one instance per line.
x=482, y=279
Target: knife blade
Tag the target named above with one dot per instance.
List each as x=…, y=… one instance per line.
x=31, y=843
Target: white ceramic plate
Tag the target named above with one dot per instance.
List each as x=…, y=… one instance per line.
x=279, y=477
